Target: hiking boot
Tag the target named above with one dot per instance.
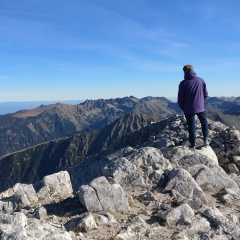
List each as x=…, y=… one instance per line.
x=205, y=142
x=192, y=148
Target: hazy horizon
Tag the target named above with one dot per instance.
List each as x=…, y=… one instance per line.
x=78, y=100
x=12, y=107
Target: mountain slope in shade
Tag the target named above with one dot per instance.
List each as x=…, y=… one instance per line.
x=27, y=128
x=33, y=164
x=225, y=110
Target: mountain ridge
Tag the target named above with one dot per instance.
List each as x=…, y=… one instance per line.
x=27, y=128
x=30, y=127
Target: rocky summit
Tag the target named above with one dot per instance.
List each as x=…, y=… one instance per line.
x=152, y=187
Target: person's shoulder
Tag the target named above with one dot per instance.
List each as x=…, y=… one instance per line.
x=182, y=82
x=200, y=79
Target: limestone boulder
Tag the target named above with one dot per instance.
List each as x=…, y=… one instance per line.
x=228, y=226
x=36, y=229
x=199, y=225
x=180, y=215
x=105, y=218
x=54, y=186
x=7, y=206
x=25, y=195
x=176, y=153
x=126, y=173
x=184, y=187
x=149, y=156
x=12, y=226
x=208, y=175
x=88, y=197
x=143, y=168
x=103, y=194
x=82, y=223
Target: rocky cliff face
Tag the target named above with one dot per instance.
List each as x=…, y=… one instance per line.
x=157, y=188
x=27, y=128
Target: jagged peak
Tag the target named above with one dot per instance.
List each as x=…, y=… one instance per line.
x=153, y=98
x=110, y=100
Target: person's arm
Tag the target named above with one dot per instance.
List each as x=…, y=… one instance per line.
x=181, y=96
x=205, y=91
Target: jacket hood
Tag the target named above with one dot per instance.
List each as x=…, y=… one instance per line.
x=190, y=75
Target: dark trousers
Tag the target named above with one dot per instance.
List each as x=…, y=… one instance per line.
x=192, y=126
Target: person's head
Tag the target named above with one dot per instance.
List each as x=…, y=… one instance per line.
x=187, y=68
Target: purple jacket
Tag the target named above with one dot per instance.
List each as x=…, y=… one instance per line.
x=192, y=94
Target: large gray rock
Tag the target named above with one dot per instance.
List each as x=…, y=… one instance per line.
x=125, y=234
x=8, y=193
x=83, y=223
x=105, y=218
x=88, y=197
x=229, y=227
x=149, y=156
x=226, y=145
x=25, y=195
x=137, y=225
x=180, y=215
x=12, y=226
x=102, y=194
x=141, y=168
x=209, y=175
x=138, y=168
x=16, y=226
x=41, y=230
x=7, y=206
x=180, y=181
x=40, y=213
x=176, y=153
x=55, y=185
x=118, y=199
x=199, y=225
x=126, y=173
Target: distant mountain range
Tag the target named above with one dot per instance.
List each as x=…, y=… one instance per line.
x=225, y=110
x=27, y=128
x=12, y=107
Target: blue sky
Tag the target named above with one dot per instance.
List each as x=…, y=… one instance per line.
x=91, y=49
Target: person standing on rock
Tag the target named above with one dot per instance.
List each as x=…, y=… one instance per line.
x=192, y=93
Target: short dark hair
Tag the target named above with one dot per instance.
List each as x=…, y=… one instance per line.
x=187, y=68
